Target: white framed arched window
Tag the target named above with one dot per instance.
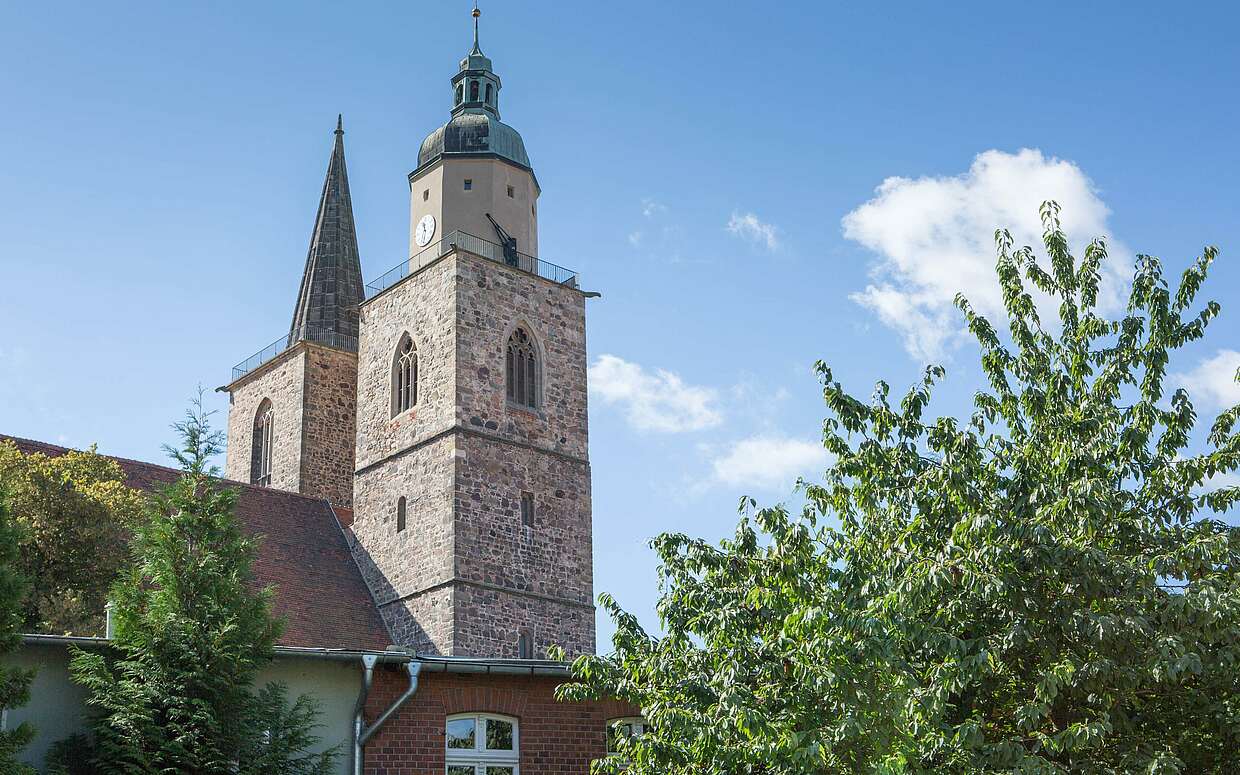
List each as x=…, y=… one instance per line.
x=263, y=444
x=404, y=376
x=619, y=729
x=482, y=744
x=522, y=369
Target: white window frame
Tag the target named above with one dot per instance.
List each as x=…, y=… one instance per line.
x=638, y=723
x=479, y=757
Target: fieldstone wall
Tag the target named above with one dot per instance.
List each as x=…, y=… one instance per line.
x=424, y=622
x=492, y=300
x=552, y=559
x=329, y=424
x=282, y=380
x=466, y=576
x=488, y=622
x=424, y=306
x=403, y=567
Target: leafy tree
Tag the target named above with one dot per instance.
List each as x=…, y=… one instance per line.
x=72, y=511
x=14, y=682
x=74, y=755
x=1040, y=589
x=173, y=692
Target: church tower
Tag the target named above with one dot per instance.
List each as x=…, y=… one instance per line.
x=292, y=405
x=472, y=519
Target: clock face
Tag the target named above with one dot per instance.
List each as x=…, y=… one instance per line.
x=425, y=230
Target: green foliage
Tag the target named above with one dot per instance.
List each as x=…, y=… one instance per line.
x=73, y=755
x=172, y=691
x=72, y=511
x=1040, y=589
x=14, y=682
x=286, y=732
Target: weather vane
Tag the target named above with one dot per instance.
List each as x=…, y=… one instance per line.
x=476, y=14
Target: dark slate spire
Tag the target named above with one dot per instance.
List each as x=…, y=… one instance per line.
x=331, y=288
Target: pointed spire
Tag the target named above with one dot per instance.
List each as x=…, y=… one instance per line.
x=331, y=287
x=476, y=14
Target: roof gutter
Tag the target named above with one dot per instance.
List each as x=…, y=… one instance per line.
x=363, y=732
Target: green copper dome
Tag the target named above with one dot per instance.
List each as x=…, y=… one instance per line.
x=474, y=134
x=475, y=128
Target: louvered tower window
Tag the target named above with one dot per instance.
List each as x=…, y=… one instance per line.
x=522, y=369
x=264, y=441
x=404, y=376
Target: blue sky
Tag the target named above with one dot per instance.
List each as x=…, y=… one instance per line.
x=714, y=169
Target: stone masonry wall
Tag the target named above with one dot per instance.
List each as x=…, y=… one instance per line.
x=489, y=621
x=492, y=299
x=329, y=424
x=423, y=306
x=550, y=564
x=466, y=577
x=401, y=566
x=282, y=381
x=408, y=455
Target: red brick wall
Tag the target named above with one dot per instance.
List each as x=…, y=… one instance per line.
x=555, y=737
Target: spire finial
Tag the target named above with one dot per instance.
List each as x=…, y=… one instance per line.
x=476, y=14
x=339, y=123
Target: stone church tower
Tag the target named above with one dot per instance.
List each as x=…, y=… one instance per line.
x=292, y=410
x=462, y=400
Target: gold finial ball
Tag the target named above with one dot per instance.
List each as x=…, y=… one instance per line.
x=477, y=13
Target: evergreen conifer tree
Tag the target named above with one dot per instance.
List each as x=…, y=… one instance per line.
x=173, y=692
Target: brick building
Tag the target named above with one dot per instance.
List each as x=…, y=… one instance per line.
x=414, y=452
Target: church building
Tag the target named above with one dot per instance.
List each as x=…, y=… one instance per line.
x=414, y=453
x=443, y=405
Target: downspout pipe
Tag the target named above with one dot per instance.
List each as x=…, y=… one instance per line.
x=363, y=732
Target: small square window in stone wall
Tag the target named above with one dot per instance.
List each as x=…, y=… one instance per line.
x=469, y=184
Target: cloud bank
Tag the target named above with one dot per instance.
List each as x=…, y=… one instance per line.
x=934, y=237
x=656, y=400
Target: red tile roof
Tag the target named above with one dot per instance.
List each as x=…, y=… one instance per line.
x=303, y=552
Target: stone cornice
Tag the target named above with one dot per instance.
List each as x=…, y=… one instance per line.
x=458, y=428
x=483, y=585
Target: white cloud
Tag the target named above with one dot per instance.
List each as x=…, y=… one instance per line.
x=1218, y=481
x=934, y=237
x=1213, y=382
x=651, y=207
x=769, y=462
x=749, y=227
x=635, y=238
x=654, y=401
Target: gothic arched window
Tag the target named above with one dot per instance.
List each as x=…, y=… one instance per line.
x=400, y=514
x=263, y=443
x=490, y=95
x=460, y=93
x=404, y=376
x=522, y=369
x=525, y=645
x=473, y=91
